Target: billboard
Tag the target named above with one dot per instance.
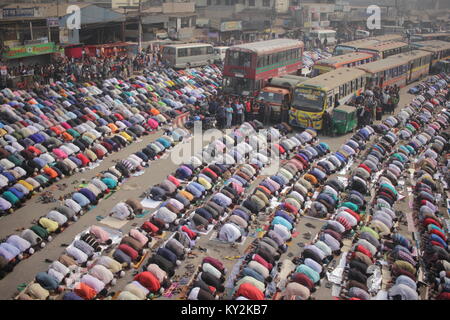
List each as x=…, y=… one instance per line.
x=17, y=12
x=30, y=50
x=231, y=26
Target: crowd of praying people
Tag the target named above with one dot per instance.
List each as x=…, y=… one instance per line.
x=60, y=132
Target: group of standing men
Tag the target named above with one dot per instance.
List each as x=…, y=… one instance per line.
x=373, y=104
x=233, y=111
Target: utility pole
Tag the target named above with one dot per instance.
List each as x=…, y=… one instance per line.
x=31, y=30
x=272, y=17
x=140, y=27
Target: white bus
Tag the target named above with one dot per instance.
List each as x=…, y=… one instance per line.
x=188, y=55
x=330, y=35
x=219, y=53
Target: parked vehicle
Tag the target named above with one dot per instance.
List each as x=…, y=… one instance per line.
x=219, y=54
x=344, y=120
x=188, y=55
x=278, y=93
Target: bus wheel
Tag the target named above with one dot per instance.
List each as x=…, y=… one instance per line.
x=188, y=64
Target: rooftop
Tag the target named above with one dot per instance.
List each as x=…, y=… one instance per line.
x=345, y=57
x=268, y=45
x=334, y=78
x=393, y=61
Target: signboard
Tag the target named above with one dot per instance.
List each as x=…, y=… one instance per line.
x=17, y=12
x=310, y=94
x=30, y=50
x=53, y=22
x=230, y=26
x=3, y=70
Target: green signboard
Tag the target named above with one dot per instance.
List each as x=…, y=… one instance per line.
x=30, y=50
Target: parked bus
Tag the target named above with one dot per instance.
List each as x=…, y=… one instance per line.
x=389, y=37
x=330, y=35
x=188, y=55
x=249, y=66
x=393, y=29
x=439, y=49
x=354, y=45
x=385, y=49
x=400, y=69
x=346, y=60
x=315, y=96
x=443, y=36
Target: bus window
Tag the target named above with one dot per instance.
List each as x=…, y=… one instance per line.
x=247, y=59
x=233, y=58
x=196, y=51
x=261, y=62
x=169, y=51
x=209, y=50
x=238, y=85
x=182, y=52
x=330, y=102
x=274, y=58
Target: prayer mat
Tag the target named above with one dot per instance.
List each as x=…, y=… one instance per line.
x=114, y=223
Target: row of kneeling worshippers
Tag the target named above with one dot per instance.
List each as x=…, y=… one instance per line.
x=50, y=133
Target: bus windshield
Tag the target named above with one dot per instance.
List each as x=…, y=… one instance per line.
x=308, y=100
x=238, y=58
x=237, y=85
x=271, y=97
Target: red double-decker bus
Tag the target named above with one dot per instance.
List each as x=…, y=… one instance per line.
x=249, y=66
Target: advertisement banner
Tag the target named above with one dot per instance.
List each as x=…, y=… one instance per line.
x=231, y=26
x=53, y=22
x=17, y=12
x=30, y=50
